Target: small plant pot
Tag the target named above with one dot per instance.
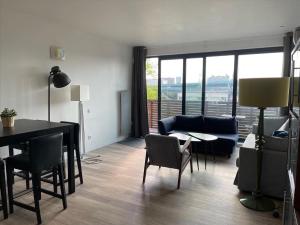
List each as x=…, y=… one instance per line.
x=8, y=121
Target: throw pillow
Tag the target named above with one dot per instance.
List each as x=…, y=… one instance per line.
x=280, y=133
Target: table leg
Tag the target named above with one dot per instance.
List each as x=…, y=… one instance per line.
x=197, y=160
x=205, y=153
x=71, y=166
x=213, y=151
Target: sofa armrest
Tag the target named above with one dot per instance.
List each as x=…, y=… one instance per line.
x=166, y=125
x=276, y=143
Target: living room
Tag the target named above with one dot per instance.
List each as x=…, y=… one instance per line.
x=178, y=112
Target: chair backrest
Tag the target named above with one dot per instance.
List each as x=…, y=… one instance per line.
x=45, y=152
x=163, y=151
x=76, y=133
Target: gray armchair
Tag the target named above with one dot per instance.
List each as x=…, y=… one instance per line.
x=165, y=151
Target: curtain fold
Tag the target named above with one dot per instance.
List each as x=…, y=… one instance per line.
x=139, y=112
x=286, y=69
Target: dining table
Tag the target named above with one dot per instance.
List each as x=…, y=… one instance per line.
x=25, y=129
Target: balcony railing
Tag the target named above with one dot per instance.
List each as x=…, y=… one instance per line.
x=246, y=116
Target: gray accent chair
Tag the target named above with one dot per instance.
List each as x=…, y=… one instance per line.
x=165, y=151
x=274, y=176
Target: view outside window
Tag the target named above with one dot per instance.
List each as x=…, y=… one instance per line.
x=219, y=85
x=256, y=66
x=171, y=87
x=194, y=67
x=152, y=91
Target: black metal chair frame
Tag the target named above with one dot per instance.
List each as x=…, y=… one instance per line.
x=3, y=206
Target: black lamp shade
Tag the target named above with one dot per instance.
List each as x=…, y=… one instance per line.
x=59, y=78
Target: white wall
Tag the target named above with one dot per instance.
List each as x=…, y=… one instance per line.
x=217, y=45
x=102, y=64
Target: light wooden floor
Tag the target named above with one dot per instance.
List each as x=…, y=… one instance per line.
x=113, y=194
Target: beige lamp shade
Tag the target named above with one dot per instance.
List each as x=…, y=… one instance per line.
x=264, y=92
x=80, y=93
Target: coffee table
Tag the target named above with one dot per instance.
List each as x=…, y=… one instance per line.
x=184, y=137
x=208, y=139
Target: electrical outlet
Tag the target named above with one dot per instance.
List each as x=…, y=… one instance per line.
x=89, y=137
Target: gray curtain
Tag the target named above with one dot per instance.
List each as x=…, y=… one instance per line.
x=139, y=112
x=286, y=71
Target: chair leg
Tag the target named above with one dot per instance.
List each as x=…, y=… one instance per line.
x=9, y=172
x=191, y=159
x=36, y=195
x=64, y=165
x=79, y=164
x=27, y=178
x=145, y=168
x=62, y=186
x=191, y=164
x=3, y=192
x=179, y=179
x=54, y=175
x=11, y=153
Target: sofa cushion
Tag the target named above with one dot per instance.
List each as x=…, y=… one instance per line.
x=166, y=125
x=189, y=123
x=217, y=125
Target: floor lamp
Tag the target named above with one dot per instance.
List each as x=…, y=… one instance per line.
x=59, y=80
x=262, y=93
x=80, y=93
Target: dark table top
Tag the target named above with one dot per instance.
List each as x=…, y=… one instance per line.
x=23, y=126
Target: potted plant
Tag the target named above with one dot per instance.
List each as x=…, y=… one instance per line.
x=8, y=117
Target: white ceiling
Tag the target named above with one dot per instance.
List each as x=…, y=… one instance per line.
x=160, y=22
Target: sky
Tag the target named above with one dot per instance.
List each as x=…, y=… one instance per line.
x=250, y=66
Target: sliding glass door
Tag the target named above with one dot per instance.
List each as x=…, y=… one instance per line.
x=171, y=87
x=207, y=83
x=219, y=85
x=256, y=66
x=152, y=91
x=194, y=77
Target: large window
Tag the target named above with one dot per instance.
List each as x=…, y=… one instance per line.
x=171, y=87
x=257, y=66
x=219, y=85
x=194, y=76
x=207, y=83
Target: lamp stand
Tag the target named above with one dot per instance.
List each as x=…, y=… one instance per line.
x=49, y=97
x=257, y=201
x=82, y=131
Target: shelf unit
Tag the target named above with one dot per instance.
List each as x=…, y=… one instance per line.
x=291, y=209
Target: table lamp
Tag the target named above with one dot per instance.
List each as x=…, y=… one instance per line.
x=80, y=93
x=262, y=93
x=59, y=80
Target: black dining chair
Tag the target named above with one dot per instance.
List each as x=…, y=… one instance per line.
x=76, y=148
x=3, y=206
x=22, y=147
x=45, y=153
x=51, y=177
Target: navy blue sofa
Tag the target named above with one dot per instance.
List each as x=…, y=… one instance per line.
x=226, y=129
